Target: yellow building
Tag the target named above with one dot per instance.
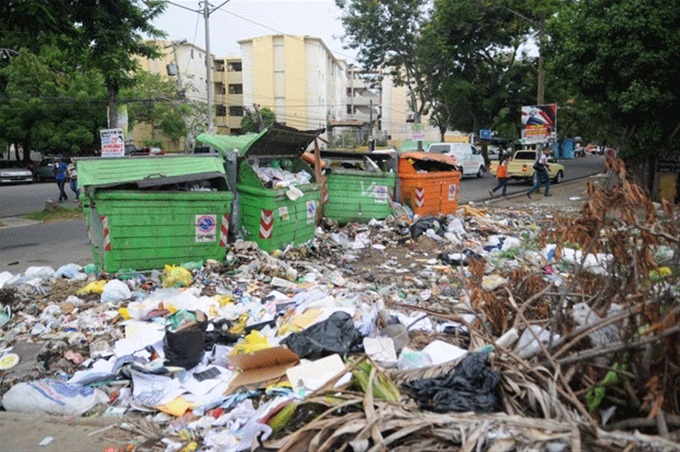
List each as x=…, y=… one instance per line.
x=297, y=77
x=228, y=81
x=183, y=63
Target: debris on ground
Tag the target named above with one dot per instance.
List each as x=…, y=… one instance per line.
x=497, y=329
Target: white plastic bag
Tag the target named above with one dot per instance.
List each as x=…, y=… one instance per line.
x=49, y=396
x=40, y=272
x=71, y=271
x=115, y=290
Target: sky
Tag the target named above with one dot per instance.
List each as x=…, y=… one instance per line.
x=243, y=19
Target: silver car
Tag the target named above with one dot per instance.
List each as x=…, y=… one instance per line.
x=14, y=173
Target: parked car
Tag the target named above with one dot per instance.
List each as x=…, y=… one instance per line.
x=467, y=156
x=147, y=151
x=13, y=173
x=45, y=170
x=521, y=167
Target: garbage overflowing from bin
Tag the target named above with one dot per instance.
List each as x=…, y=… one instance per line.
x=491, y=329
x=278, y=195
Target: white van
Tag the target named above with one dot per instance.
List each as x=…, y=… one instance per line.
x=467, y=156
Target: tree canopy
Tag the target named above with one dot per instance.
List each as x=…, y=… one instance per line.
x=622, y=55
x=251, y=120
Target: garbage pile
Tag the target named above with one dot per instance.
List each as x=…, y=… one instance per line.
x=489, y=329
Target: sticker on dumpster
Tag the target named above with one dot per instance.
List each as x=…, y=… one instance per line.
x=206, y=228
x=452, y=192
x=311, y=211
x=283, y=213
x=420, y=197
x=380, y=194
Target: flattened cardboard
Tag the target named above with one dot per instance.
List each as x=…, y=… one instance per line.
x=261, y=367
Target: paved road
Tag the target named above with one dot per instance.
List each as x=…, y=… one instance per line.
x=477, y=189
x=66, y=242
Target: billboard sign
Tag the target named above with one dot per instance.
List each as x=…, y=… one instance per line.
x=539, y=123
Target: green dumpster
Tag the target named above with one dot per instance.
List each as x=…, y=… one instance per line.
x=146, y=212
x=359, y=185
x=273, y=214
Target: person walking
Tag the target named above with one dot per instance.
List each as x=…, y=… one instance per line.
x=501, y=176
x=541, y=174
x=72, y=174
x=60, y=168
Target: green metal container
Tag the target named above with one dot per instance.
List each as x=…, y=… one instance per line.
x=359, y=196
x=267, y=215
x=140, y=218
x=359, y=185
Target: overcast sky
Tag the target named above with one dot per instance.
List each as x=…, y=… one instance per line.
x=242, y=19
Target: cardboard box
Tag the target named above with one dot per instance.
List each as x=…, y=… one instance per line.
x=262, y=367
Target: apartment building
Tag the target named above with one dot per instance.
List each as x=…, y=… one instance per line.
x=297, y=77
x=228, y=83
x=183, y=63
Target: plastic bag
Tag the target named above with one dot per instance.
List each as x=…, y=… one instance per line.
x=71, y=271
x=472, y=386
x=176, y=276
x=337, y=334
x=421, y=226
x=115, y=290
x=96, y=287
x=251, y=343
x=40, y=272
x=184, y=347
x=49, y=396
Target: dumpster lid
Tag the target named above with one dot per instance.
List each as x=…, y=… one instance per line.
x=97, y=172
x=275, y=141
x=357, y=155
x=429, y=157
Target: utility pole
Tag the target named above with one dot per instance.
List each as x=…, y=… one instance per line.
x=370, y=116
x=208, y=64
x=540, y=94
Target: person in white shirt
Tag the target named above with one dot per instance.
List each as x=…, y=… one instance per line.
x=72, y=173
x=541, y=175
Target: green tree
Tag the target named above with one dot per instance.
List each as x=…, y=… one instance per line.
x=251, y=120
x=112, y=30
x=50, y=103
x=387, y=35
x=480, y=76
x=622, y=55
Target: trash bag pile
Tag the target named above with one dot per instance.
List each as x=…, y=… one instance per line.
x=489, y=329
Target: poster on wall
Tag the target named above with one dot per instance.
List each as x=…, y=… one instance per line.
x=539, y=123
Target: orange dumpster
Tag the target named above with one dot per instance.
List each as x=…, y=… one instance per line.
x=429, y=183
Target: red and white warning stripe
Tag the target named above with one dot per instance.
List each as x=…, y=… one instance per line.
x=420, y=197
x=224, y=230
x=107, y=232
x=266, y=223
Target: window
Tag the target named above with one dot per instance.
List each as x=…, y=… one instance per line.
x=234, y=67
x=236, y=89
x=220, y=110
x=235, y=111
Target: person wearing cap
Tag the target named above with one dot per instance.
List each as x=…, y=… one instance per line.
x=60, y=168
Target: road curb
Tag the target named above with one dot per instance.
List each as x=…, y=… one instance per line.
x=553, y=187
x=15, y=222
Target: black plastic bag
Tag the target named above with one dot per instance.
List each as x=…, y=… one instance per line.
x=421, y=226
x=472, y=386
x=185, y=347
x=337, y=334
